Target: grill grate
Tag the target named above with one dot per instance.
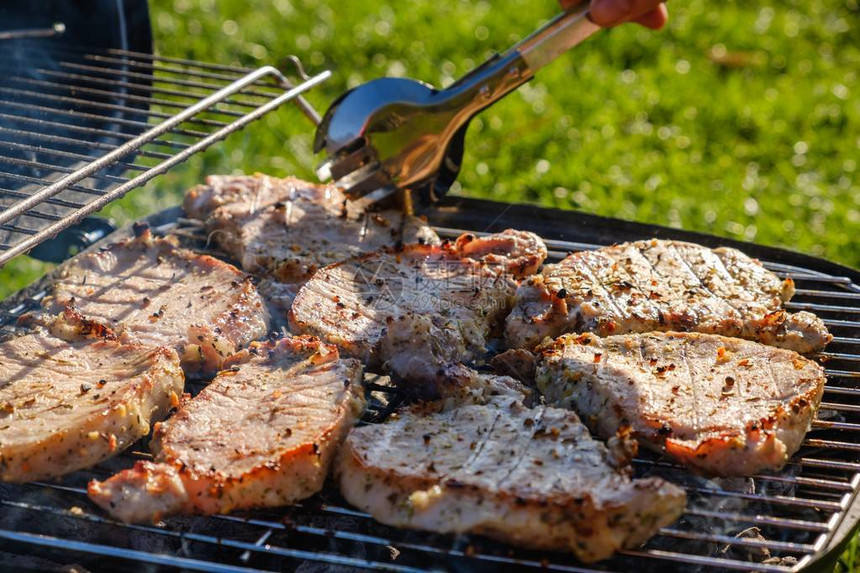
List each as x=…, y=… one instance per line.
x=79, y=129
x=800, y=513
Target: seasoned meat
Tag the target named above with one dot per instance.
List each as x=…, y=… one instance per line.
x=517, y=363
x=262, y=434
x=286, y=229
x=72, y=395
x=721, y=406
x=661, y=285
x=165, y=296
x=531, y=477
x=459, y=385
x=290, y=241
x=518, y=253
x=245, y=193
x=416, y=310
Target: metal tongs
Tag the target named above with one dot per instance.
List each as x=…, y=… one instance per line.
x=396, y=139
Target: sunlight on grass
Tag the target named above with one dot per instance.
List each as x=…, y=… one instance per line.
x=849, y=562
x=742, y=119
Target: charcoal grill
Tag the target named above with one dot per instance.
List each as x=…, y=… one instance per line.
x=60, y=167
x=803, y=515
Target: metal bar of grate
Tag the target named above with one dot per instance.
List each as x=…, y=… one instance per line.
x=118, y=62
x=58, y=168
x=141, y=64
x=68, y=141
x=842, y=391
x=164, y=80
x=828, y=425
x=64, y=154
x=107, y=93
x=794, y=480
x=822, y=307
x=49, y=542
x=77, y=114
x=742, y=542
x=306, y=108
x=815, y=443
x=185, y=67
x=53, y=201
x=829, y=464
x=840, y=407
x=840, y=356
x=73, y=145
x=37, y=181
x=763, y=520
x=815, y=278
x=84, y=83
x=826, y=294
x=836, y=373
x=768, y=499
x=703, y=561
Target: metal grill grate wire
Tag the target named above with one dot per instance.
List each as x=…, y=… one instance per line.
x=87, y=128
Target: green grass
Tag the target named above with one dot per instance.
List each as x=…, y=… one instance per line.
x=849, y=562
x=741, y=119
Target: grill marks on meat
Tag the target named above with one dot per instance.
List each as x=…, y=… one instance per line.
x=721, y=406
x=244, y=193
x=662, y=286
x=286, y=229
x=72, y=395
x=165, y=296
x=532, y=477
x=417, y=310
x=262, y=434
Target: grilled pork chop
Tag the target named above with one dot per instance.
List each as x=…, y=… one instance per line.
x=165, y=296
x=416, y=310
x=72, y=395
x=243, y=192
x=722, y=406
x=262, y=434
x=531, y=477
x=285, y=229
x=661, y=285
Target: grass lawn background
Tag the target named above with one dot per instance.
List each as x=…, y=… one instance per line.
x=741, y=119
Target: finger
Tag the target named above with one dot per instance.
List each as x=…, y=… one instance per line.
x=608, y=13
x=655, y=19
x=567, y=4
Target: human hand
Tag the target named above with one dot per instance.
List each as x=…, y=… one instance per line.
x=606, y=13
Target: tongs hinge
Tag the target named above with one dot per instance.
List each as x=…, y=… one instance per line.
x=400, y=135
